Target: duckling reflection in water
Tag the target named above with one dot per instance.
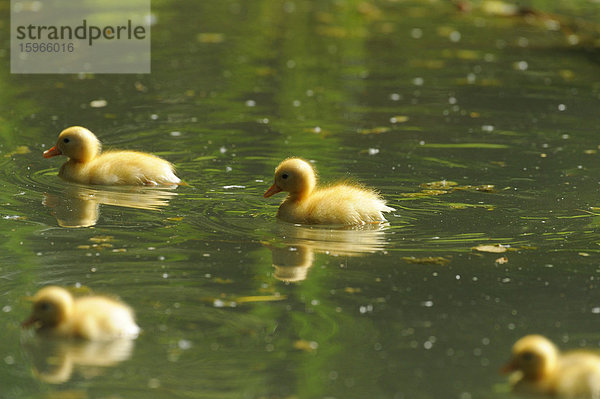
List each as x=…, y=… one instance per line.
x=55, y=360
x=339, y=204
x=294, y=255
x=86, y=163
x=537, y=366
x=291, y=262
x=95, y=318
x=79, y=206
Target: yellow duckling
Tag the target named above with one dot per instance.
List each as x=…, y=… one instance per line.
x=87, y=165
x=95, y=318
x=337, y=204
x=539, y=367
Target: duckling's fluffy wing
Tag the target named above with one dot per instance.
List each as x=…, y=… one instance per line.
x=101, y=319
x=345, y=204
x=130, y=167
x=579, y=375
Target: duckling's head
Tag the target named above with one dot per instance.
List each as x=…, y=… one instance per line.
x=51, y=306
x=534, y=356
x=295, y=176
x=77, y=143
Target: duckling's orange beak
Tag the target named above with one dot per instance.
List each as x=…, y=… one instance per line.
x=52, y=152
x=508, y=368
x=274, y=189
x=29, y=322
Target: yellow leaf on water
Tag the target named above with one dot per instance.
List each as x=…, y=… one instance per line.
x=101, y=238
x=438, y=185
x=98, y=103
x=501, y=260
x=499, y=8
x=220, y=280
x=260, y=298
x=495, y=248
x=399, y=119
x=307, y=346
x=435, y=192
x=210, y=37
x=433, y=260
x=22, y=149
x=68, y=394
x=351, y=290
x=375, y=130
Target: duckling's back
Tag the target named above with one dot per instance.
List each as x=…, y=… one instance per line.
x=130, y=167
x=578, y=375
x=345, y=204
x=100, y=319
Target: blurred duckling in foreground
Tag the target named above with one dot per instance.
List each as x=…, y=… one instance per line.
x=95, y=318
x=88, y=165
x=537, y=366
x=337, y=204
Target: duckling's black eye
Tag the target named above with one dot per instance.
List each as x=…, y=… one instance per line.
x=44, y=306
x=527, y=356
x=284, y=176
x=66, y=140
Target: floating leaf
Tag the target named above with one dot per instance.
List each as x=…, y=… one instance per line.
x=501, y=260
x=438, y=185
x=465, y=145
x=445, y=162
x=98, y=103
x=351, y=290
x=22, y=149
x=459, y=205
x=375, y=130
x=210, y=37
x=432, y=260
x=414, y=195
x=260, y=298
x=495, y=248
x=68, y=394
x=435, y=192
x=486, y=188
x=101, y=238
x=499, y=8
x=306, y=346
x=399, y=119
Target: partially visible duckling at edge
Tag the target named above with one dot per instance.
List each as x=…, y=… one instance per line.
x=87, y=165
x=337, y=204
x=95, y=318
x=537, y=366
